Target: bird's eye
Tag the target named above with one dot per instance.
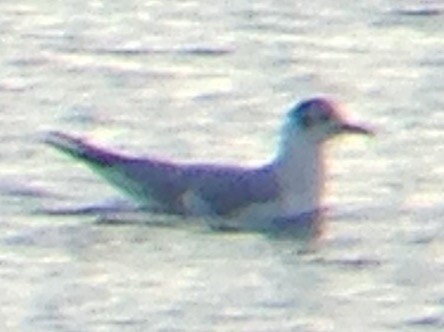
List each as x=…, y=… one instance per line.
x=306, y=120
x=324, y=117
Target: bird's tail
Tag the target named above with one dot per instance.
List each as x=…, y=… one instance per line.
x=81, y=149
x=121, y=171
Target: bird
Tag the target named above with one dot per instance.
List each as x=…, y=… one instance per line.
x=280, y=195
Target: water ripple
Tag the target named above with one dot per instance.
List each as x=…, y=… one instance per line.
x=434, y=321
x=419, y=12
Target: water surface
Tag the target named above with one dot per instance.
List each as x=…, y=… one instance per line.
x=194, y=80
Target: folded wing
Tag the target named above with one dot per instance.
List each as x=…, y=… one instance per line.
x=174, y=188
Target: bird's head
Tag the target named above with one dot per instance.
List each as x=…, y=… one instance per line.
x=319, y=119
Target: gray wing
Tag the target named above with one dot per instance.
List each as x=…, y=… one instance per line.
x=155, y=184
x=162, y=185
x=226, y=189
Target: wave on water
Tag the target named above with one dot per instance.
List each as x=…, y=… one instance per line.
x=420, y=11
x=116, y=211
x=428, y=321
x=20, y=189
x=103, y=207
x=200, y=50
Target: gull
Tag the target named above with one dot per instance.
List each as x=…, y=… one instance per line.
x=281, y=195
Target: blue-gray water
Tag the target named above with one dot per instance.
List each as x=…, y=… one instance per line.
x=201, y=80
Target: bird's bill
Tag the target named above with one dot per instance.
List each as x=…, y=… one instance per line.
x=356, y=129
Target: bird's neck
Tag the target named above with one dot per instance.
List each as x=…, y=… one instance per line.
x=300, y=173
